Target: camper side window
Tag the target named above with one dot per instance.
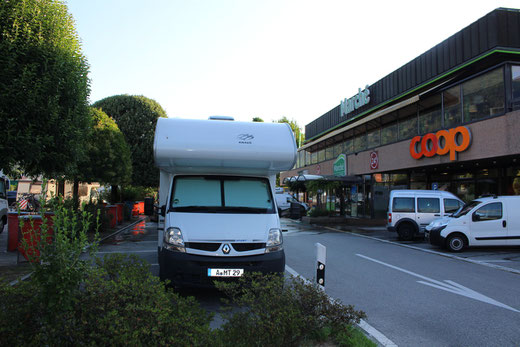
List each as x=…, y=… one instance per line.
x=403, y=205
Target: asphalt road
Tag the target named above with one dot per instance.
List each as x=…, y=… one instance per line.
x=411, y=295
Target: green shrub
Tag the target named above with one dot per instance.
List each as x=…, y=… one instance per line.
x=271, y=312
x=136, y=193
x=315, y=212
x=119, y=302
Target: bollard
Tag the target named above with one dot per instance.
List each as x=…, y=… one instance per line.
x=321, y=255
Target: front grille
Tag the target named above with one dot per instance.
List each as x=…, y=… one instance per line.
x=244, y=247
x=230, y=264
x=204, y=246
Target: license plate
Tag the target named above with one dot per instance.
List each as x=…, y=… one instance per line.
x=225, y=272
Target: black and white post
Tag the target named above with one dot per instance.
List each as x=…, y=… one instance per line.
x=321, y=255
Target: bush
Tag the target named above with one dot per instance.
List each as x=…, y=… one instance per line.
x=135, y=193
x=315, y=212
x=119, y=302
x=271, y=312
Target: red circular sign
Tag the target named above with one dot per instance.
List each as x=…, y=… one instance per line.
x=374, y=160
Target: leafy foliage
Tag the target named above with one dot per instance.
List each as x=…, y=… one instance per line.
x=273, y=313
x=133, y=193
x=257, y=119
x=137, y=117
x=108, y=155
x=43, y=89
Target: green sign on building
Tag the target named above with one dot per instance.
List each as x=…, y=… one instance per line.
x=340, y=166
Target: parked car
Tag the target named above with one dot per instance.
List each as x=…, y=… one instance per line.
x=284, y=201
x=489, y=221
x=410, y=211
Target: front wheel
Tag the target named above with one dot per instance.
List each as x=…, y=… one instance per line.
x=456, y=243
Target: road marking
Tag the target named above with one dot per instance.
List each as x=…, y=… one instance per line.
x=487, y=264
x=447, y=285
x=370, y=330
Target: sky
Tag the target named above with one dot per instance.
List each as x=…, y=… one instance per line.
x=258, y=58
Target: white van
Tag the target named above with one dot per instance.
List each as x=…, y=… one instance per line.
x=219, y=217
x=410, y=211
x=489, y=221
x=284, y=201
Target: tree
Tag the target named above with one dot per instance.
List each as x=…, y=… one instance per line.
x=44, y=89
x=108, y=154
x=299, y=136
x=136, y=116
x=257, y=119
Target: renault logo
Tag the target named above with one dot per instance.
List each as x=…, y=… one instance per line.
x=226, y=249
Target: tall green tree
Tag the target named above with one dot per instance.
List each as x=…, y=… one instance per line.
x=299, y=136
x=257, y=119
x=44, y=89
x=136, y=116
x=108, y=155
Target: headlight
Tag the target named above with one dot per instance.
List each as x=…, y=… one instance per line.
x=174, y=240
x=274, y=241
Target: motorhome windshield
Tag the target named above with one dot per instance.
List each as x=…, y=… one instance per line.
x=221, y=194
x=468, y=207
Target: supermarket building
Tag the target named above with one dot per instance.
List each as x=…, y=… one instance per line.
x=449, y=119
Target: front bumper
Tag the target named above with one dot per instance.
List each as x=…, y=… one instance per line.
x=435, y=237
x=192, y=270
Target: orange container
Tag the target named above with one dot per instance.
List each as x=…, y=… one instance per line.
x=112, y=215
x=141, y=206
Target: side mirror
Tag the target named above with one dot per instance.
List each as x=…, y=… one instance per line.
x=476, y=217
x=163, y=210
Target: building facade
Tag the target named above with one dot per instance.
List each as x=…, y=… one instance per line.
x=449, y=119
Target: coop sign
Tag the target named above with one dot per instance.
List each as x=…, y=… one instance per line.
x=362, y=98
x=442, y=142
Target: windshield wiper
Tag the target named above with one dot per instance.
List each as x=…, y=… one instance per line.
x=193, y=208
x=243, y=209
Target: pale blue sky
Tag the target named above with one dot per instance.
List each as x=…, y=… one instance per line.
x=258, y=58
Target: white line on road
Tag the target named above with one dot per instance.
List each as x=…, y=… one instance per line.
x=370, y=330
x=447, y=285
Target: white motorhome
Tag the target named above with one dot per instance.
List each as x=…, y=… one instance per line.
x=219, y=216
x=487, y=221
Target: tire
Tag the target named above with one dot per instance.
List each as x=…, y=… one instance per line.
x=456, y=243
x=406, y=232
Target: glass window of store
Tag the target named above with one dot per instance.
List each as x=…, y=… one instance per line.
x=374, y=138
x=338, y=149
x=314, y=158
x=515, y=88
x=484, y=95
x=360, y=143
x=329, y=152
x=321, y=155
x=308, y=158
x=349, y=146
x=407, y=128
x=430, y=114
x=513, y=181
x=452, y=107
x=389, y=133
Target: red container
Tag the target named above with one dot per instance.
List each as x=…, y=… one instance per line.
x=31, y=233
x=141, y=206
x=12, y=230
x=120, y=207
x=112, y=215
